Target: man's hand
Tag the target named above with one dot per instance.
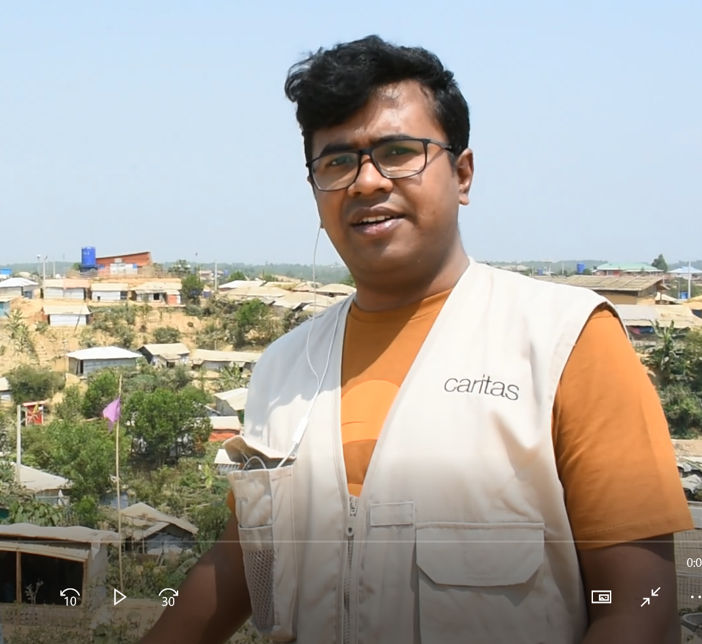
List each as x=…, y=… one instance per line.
x=632, y=571
x=213, y=602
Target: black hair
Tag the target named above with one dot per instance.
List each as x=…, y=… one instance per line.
x=331, y=85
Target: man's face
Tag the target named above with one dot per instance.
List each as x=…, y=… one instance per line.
x=424, y=207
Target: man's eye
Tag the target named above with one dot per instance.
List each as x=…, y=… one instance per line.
x=340, y=161
x=399, y=150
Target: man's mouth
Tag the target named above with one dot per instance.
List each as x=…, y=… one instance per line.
x=372, y=221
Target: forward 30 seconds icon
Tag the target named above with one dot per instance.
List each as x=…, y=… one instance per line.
x=169, y=598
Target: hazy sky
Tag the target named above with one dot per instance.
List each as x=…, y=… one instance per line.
x=162, y=126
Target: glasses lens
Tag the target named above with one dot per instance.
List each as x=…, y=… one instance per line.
x=402, y=158
x=335, y=171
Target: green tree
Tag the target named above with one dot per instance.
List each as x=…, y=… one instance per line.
x=6, y=446
x=30, y=384
x=149, y=378
x=349, y=281
x=676, y=361
x=660, y=263
x=20, y=334
x=236, y=275
x=166, y=424
x=253, y=323
x=71, y=407
x=179, y=268
x=212, y=335
x=293, y=318
x=665, y=357
x=35, y=512
x=230, y=378
x=103, y=387
x=166, y=335
x=683, y=410
x=81, y=451
x=191, y=288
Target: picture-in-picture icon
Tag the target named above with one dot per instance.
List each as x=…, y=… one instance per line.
x=601, y=597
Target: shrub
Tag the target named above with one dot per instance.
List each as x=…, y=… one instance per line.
x=166, y=335
x=29, y=384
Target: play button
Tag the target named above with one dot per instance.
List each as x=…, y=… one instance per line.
x=119, y=597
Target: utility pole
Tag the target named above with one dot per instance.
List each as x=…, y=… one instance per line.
x=18, y=466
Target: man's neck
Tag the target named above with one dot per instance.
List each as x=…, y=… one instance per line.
x=395, y=295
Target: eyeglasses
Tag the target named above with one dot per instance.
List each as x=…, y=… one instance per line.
x=394, y=159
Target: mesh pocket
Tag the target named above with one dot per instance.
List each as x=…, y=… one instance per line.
x=258, y=566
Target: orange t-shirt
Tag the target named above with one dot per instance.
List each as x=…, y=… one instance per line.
x=613, y=451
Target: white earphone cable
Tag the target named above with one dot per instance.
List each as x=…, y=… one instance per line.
x=302, y=425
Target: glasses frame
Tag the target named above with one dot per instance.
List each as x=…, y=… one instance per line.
x=369, y=152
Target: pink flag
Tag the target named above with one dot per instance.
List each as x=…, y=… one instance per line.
x=111, y=412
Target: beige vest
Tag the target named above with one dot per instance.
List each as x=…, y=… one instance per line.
x=461, y=532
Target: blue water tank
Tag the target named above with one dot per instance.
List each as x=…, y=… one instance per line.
x=580, y=268
x=87, y=257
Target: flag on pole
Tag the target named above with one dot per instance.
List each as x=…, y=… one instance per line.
x=111, y=412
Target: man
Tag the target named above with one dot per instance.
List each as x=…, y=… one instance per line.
x=466, y=453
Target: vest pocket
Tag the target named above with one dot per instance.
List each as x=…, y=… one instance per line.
x=264, y=513
x=481, y=583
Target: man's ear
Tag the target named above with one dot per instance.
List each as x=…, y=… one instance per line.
x=464, y=170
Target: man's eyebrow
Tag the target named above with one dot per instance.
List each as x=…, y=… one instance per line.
x=343, y=146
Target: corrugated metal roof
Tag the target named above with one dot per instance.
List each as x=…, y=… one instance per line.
x=221, y=458
x=664, y=297
x=66, y=282
x=684, y=270
x=208, y=355
x=225, y=423
x=256, y=292
x=635, y=267
x=166, y=350
x=158, y=287
x=77, y=552
x=681, y=316
x=336, y=289
x=636, y=315
x=306, y=286
x=109, y=287
x=294, y=299
x=606, y=283
x=239, y=284
x=76, y=534
x=235, y=398
x=103, y=353
x=16, y=282
x=142, y=514
x=39, y=481
x=66, y=309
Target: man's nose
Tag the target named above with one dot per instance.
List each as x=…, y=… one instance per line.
x=369, y=179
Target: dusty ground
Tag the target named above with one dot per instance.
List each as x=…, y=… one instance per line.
x=688, y=447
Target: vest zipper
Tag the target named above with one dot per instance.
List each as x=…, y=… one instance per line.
x=349, y=531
